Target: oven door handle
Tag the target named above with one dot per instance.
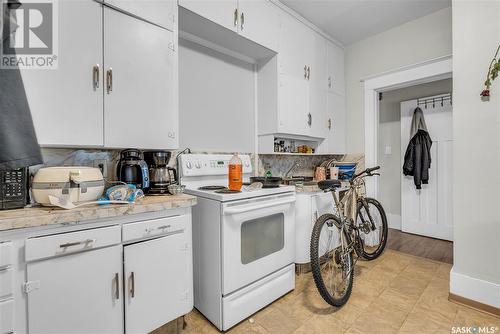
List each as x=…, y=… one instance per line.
x=237, y=210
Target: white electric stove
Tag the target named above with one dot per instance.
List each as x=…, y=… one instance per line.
x=243, y=243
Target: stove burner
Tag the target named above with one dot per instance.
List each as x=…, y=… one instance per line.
x=227, y=191
x=212, y=188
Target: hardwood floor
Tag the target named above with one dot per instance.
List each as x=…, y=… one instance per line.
x=430, y=248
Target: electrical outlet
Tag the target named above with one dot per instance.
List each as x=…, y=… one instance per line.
x=102, y=164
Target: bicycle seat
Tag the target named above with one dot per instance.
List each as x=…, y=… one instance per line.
x=329, y=184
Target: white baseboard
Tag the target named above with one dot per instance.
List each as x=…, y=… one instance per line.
x=475, y=289
x=394, y=221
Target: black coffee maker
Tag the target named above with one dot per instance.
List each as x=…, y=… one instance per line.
x=160, y=174
x=132, y=169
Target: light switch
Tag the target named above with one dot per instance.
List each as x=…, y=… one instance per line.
x=388, y=150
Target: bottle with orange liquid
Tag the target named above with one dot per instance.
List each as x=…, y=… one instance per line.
x=235, y=173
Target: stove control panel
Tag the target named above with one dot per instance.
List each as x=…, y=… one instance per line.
x=210, y=164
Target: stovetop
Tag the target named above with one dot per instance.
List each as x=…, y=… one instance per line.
x=244, y=194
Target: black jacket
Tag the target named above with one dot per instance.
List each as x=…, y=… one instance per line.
x=418, y=154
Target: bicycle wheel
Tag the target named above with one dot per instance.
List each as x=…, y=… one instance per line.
x=332, y=267
x=372, y=225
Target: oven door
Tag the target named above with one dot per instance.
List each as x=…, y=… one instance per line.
x=258, y=238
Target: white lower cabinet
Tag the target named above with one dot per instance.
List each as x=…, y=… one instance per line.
x=7, y=316
x=157, y=286
x=78, y=293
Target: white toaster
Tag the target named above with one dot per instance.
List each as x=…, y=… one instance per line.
x=76, y=183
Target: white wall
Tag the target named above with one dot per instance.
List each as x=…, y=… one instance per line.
x=476, y=271
x=426, y=38
x=216, y=101
x=390, y=135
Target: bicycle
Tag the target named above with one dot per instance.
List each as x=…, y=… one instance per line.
x=360, y=226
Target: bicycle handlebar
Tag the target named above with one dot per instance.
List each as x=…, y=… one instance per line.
x=367, y=171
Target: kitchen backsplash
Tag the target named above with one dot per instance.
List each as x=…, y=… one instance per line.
x=277, y=164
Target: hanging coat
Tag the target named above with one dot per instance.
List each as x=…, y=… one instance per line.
x=418, y=154
x=18, y=143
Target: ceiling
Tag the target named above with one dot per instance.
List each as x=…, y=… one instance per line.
x=349, y=21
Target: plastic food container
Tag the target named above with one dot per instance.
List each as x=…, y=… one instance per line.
x=346, y=170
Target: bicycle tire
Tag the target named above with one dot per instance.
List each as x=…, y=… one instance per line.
x=316, y=265
x=373, y=255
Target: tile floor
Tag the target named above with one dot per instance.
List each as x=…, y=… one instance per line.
x=397, y=293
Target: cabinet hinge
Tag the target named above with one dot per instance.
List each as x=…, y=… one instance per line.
x=184, y=247
x=31, y=286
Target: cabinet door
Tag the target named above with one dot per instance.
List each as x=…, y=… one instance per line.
x=317, y=95
x=161, y=12
x=336, y=75
x=140, y=107
x=293, y=105
x=66, y=103
x=337, y=120
x=158, y=275
x=222, y=12
x=79, y=293
x=259, y=22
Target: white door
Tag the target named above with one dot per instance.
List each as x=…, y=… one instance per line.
x=317, y=95
x=259, y=22
x=258, y=238
x=429, y=211
x=161, y=12
x=141, y=89
x=222, y=12
x=158, y=277
x=67, y=103
x=336, y=124
x=79, y=293
x=336, y=75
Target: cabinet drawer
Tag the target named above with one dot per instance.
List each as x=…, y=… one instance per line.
x=5, y=254
x=67, y=243
x=6, y=281
x=151, y=228
x=7, y=316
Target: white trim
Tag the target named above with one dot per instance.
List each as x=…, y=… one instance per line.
x=428, y=71
x=394, y=221
x=407, y=67
x=474, y=289
x=306, y=22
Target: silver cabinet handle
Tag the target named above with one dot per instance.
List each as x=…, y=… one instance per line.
x=305, y=71
x=117, y=286
x=95, y=75
x=76, y=243
x=242, y=20
x=109, y=80
x=329, y=124
x=308, y=72
x=309, y=119
x=4, y=269
x=329, y=82
x=236, y=17
x=132, y=284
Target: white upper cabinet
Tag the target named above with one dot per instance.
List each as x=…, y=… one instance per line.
x=140, y=94
x=259, y=21
x=336, y=74
x=222, y=12
x=67, y=103
x=336, y=139
x=316, y=75
x=160, y=12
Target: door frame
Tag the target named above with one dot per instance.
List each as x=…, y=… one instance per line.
x=425, y=72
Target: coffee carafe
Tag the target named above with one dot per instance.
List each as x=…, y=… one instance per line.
x=132, y=169
x=160, y=174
